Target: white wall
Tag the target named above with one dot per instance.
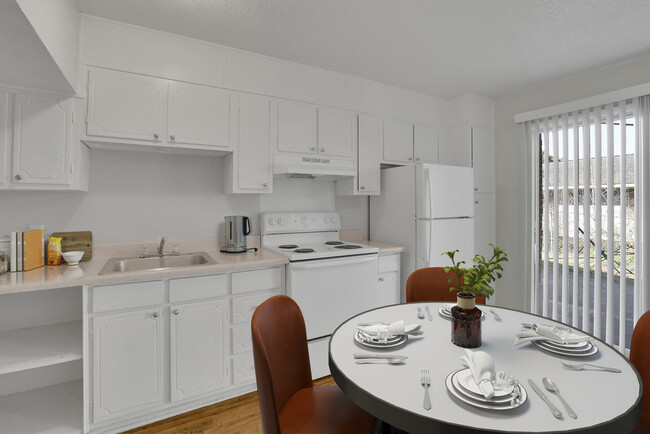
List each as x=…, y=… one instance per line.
x=511, y=162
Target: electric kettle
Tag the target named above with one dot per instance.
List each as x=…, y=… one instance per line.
x=237, y=227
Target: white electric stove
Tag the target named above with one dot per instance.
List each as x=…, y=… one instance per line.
x=330, y=280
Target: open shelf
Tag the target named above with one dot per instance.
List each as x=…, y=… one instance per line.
x=37, y=347
x=55, y=409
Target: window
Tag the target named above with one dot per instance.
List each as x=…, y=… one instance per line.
x=588, y=219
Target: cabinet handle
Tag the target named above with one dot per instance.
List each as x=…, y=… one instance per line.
x=172, y=136
x=381, y=279
x=176, y=311
x=313, y=148
x=475, y=188
x=18, y=177
x=410, y=158
x=417, y=159
x=155, y=135
x=363, y=187
x=322, y=149
x=476, y=202
x=266, y=184
x=156, y=314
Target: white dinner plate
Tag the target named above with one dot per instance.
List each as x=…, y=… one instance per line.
x=369, y=338
x=547, y=344
x=401, y=339
x=593, y=350
x=478, y=397
x=466, y=381
x=485, y=405
x=447, y=314
x=577, y=346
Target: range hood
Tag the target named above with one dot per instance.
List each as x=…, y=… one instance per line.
x=320, y=168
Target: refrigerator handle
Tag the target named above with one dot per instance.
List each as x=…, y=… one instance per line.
x=428, y=243
x=429, y=196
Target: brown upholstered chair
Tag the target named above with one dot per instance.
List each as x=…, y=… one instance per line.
x=431, y=284
x=640, y=358
x=289, y=403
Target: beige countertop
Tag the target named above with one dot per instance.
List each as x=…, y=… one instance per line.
x=87, y=273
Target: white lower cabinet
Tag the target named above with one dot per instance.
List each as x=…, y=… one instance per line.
x=389, y=279
x=127, y=363
x=199, y=342
x=162, y=347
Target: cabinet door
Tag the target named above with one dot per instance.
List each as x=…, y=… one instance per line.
x=337, y=132
x=483, y=158
x=4, y=135
x=425, y=144
x=484, y=224
x=42, y=139
x=199, y=343
x=126, y=363
x=198, y=115
x=125, y=106
x=398, y=141
x=297, y=127
x=455, y=146
x=253, y=153
x=370, y=141
x=389, y=288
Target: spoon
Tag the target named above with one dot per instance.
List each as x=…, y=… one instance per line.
x=420, y=313
x=551, y=386
x=377, y=361
x=581, y=366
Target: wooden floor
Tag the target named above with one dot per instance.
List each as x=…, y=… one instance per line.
x=239, y=415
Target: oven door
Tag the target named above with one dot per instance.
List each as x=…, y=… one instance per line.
x=329, y=291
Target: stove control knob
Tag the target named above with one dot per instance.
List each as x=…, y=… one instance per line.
x=327, y=220
x=334, y=220
x=303, y=220
x=271, y=222
x=280, y=221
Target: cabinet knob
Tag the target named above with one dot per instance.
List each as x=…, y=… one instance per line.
x=156, y=314
x=417, y=159
x=156, y=135
x=381, y=279
x=363, y=187
x=410, y=158
x=476, y=202
x=475, y=188
x=266, y=184
x=313, y=148
x=176, y=311
x=172, y=137
x=322, y=149
x=18, y=177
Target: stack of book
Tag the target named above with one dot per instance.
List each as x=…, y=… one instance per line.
x=27, y=250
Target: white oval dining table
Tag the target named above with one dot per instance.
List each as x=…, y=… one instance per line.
x=604, y=402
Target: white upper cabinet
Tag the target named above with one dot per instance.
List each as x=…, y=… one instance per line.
x=248, y=168
x=369, y=154
x=125, y=106
x=198, y=115
x=425, y=144
x=297, y=127
x=398, y=141
x=337, y=132
x=137, y=109
x=42, y=138
x=470, y=146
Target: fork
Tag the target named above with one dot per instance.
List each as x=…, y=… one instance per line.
x=581, y=366
x=496, y=315
x=425, y=380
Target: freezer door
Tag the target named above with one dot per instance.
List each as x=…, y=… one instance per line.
x=434, y=237
x=444, y=191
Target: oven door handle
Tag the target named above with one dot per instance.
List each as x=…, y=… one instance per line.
x=310, y=265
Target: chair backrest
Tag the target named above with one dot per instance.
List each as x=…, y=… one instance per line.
x=432, y=284
x=281, y=356
x=640, y=358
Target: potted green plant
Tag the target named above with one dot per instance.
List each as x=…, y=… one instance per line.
x=470, y=282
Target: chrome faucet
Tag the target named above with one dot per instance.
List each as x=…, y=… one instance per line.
x=162, y=245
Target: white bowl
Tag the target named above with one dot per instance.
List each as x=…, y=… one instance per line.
x=73, y=258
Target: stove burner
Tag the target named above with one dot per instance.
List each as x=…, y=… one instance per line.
x=287, y=246
x=348, y=246
x=334, y=243
x=304, y=250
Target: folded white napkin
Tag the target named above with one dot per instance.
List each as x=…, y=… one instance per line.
x=561, y=335
x=481, y=365
x=383, y=331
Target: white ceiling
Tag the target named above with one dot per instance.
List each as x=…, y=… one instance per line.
x=440, y=47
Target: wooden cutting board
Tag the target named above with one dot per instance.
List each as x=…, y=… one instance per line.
x=81, y=241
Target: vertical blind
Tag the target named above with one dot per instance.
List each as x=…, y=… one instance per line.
x=588, y=220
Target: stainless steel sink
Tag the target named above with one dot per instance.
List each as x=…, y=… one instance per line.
x=156, y=263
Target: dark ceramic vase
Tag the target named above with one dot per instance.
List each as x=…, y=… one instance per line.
x=466, y=322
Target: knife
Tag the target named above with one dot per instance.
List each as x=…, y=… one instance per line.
x=428, y=312
x=378, y=356
x=557, y=413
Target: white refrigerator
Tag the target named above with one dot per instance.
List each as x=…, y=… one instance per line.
x=428, y=209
